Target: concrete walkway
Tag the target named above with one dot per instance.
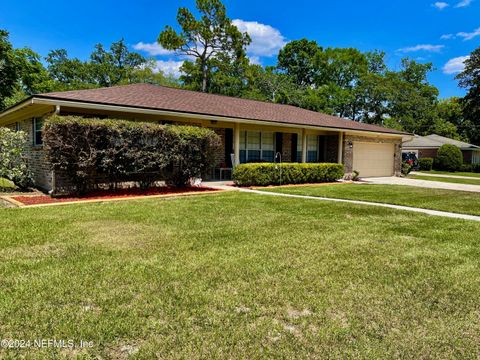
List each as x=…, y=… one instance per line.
x=229, y=186
x=423, y=183
x=446, y=176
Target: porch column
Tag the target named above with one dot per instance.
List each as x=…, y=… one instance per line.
x=304, y=146
x=236, y=144
x=340, y=147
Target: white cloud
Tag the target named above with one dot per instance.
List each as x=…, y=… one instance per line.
x=455, y=65
x=153, y=49
x=463, y=3
x=440, y=5
x=169, y=67
x=266, y=40
x=469, y=36
x=447, y=37
x=422, y=47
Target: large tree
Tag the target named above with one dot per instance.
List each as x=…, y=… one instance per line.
x=208, y=41
x=8, y=68
x=297, y=59
x=111, y=67
x=470, y=80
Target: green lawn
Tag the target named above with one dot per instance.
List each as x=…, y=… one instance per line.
x=472, y=181
x=445, y=200
x=239, y=275
x=435, y=172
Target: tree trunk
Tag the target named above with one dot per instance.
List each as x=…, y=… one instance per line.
x=204, y=77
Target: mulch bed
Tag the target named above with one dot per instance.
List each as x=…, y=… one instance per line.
x=107, y=194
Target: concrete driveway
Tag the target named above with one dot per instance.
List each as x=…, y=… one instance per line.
x=422, y=183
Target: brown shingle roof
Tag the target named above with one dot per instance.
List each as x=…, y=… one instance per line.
x=165, y=98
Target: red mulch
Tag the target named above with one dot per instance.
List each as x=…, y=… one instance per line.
x=108, y=194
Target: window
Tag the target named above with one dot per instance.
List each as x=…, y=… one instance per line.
x=257, y=146
x=268, y=146
x=299, y=148
x=312, y=148
x=37, y=131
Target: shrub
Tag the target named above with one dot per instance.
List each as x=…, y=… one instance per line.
x=86, y=150
x=13, y=165
x=264, y=174
x=425, y=164
x=449, y=158
x=476, y=168
x=406, y=168
x=466, y=168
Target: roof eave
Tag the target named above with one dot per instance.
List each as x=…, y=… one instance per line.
x=50, y=100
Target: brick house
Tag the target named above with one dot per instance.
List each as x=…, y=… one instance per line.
x=427, y=147
x=250, y=130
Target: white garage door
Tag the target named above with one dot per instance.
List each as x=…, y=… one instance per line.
x=372, y=159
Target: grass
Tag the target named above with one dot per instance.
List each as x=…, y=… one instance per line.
x=239, y=276
x=436, y=199
x=436, y=172
x=472, y=181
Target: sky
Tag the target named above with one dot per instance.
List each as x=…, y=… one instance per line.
x=442, y=32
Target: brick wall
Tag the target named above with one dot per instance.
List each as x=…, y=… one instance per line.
x=220, y=153
x=36, y=158
x=427, y=153
x=348, y=152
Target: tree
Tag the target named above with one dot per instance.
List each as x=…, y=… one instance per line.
x=8, y=68
x=68, y=73
x=297, y=59
x=111, y=67
x=469, y=79
x=411, y=99
x=210, y=38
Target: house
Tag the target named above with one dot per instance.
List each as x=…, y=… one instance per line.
x=250, y=130
x=427, y=147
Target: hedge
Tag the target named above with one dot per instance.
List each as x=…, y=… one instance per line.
x=425, y=164
x=86, y=150
x=264, y=174
x=13, y=163
x=449, y=158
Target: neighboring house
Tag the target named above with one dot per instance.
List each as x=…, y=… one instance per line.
x=427, y=147
x=250, y=130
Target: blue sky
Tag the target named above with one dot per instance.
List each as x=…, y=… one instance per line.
x=443, y=32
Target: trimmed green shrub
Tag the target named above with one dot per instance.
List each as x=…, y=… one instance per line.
x=86, y=150
x=406, y=168
x=425, y=164
x=449, y=158
x=264, y=174
x=466, y=168
x=13, y=164
x=476, y=168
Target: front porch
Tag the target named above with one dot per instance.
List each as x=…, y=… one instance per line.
x=244, y=144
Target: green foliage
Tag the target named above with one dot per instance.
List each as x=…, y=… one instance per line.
x=264, y=174
x=476, y=168
x=296, y=59
x=449, y=158
x=13, y=165
x=406, y=168
x=425, y=164
x=89, y=150
x=466, y=168
x=469, y=79
x=8, y=68
x=217, y=46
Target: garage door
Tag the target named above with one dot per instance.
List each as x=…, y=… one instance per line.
x=372, y=159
